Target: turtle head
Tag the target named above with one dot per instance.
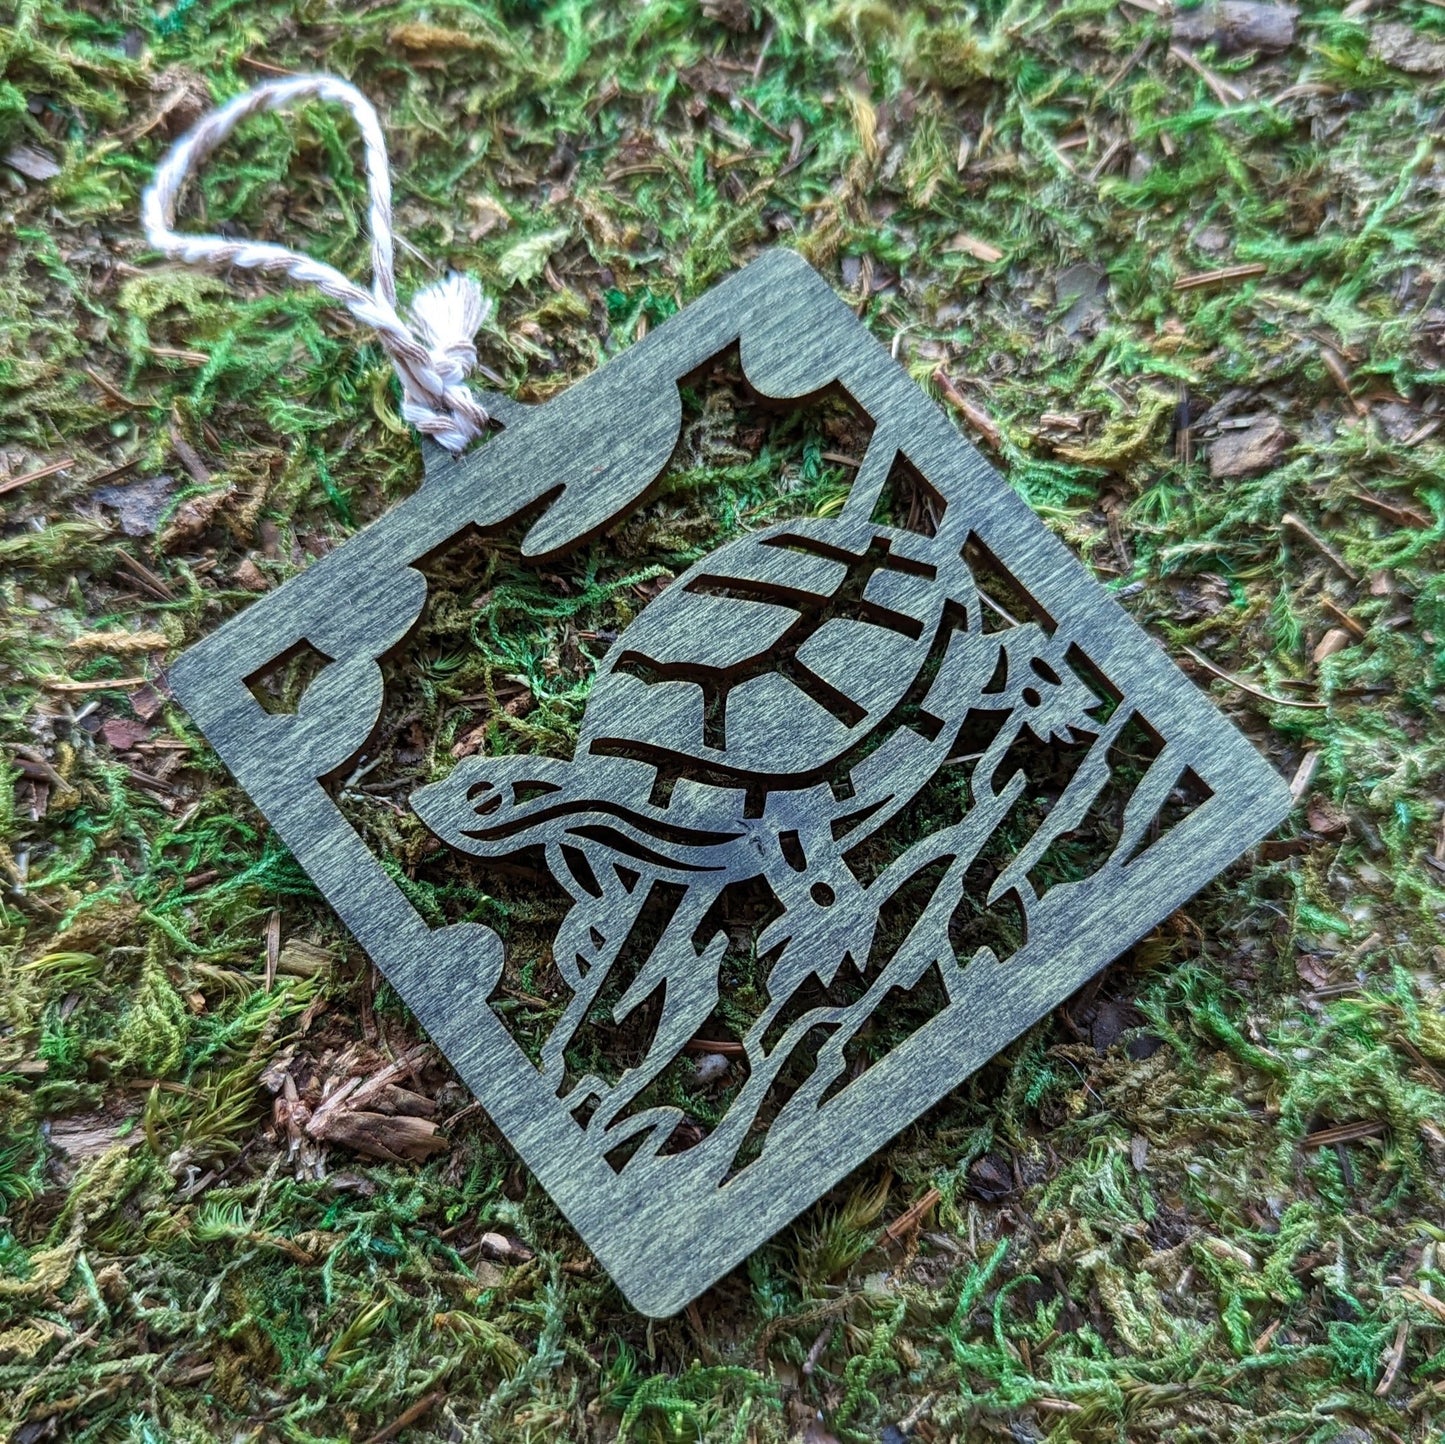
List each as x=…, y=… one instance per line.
x=489, y=805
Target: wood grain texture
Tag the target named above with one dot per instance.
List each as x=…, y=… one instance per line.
x=766, y=721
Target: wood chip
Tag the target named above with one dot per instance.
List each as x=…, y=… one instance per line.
x=102, y=684
x=971, y=245
x=32, y=162
x=1234, y=26
x=1428, y=1302
x=301, y=959
x=1302, y=528
x=1248, y=453
x=1221, y=89
x=1403, y=47
x=1394, y=1356
x=13, y=483
x=1333, y=641
x=273, y=946
x=1335, y=365
x=911, y=1217
x=1343, y=1133
x=1248, y=687
x=1340, y=615
x=250, y=576
x=408, y=1417
x=155, y=585
x=714, y=1045
x=1400, y=515
x=1304, y=775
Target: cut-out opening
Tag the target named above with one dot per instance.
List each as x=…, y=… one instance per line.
x=1096, y=680
x=801, y=1064
x=1000, y=926
x=909, y=501
x=692, y=1081
x=811, y=448
x=1006, y=601
x=603, y=1045
x=586, y=878
x=902, y=1011
x=282, y=682
x=1188, y=795
x=618, y=1158
x=1080, y=852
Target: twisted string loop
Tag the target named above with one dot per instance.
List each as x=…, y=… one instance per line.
x=434, y=354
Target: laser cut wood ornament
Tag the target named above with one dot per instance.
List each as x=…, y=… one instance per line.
x=761, y=723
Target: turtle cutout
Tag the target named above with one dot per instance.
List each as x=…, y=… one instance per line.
x=772, y=714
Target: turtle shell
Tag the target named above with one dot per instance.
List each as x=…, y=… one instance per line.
x=779, y=652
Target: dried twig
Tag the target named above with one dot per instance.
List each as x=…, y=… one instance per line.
x=408, y=1416
x=981, y=421
x=1200, y=279
x=15, y=482
x=1302, y=528
x=1248, y=687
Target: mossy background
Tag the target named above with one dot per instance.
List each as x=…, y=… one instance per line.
x=1204, y=1199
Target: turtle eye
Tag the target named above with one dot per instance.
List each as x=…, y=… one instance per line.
x=484, y=804
x=1031, y=697
x=1045, y=671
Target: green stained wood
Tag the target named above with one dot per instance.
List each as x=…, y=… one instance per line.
x=762, y=722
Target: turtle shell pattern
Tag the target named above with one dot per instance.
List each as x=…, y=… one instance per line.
x=777, y=653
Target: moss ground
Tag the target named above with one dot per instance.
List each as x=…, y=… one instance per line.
x=1204, y=1199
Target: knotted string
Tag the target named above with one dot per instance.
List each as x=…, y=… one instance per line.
x=433, y=355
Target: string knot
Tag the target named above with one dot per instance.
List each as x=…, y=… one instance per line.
x=434, y=354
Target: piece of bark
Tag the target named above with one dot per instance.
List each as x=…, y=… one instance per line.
x=395, y=1138
x=1233, y=26
x=87, y=1135
x=32, y=162
x=301, y=959
x=1246, y=453
x=1325, y=818
x=250, y=576
x=1402, y=47
x=735, y=15
x=123, y=733
x=1335, y=640
x=139, y=505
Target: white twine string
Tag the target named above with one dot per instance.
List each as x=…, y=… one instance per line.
x=433, y=355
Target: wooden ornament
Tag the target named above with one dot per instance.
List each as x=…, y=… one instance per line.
x=766, y=723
